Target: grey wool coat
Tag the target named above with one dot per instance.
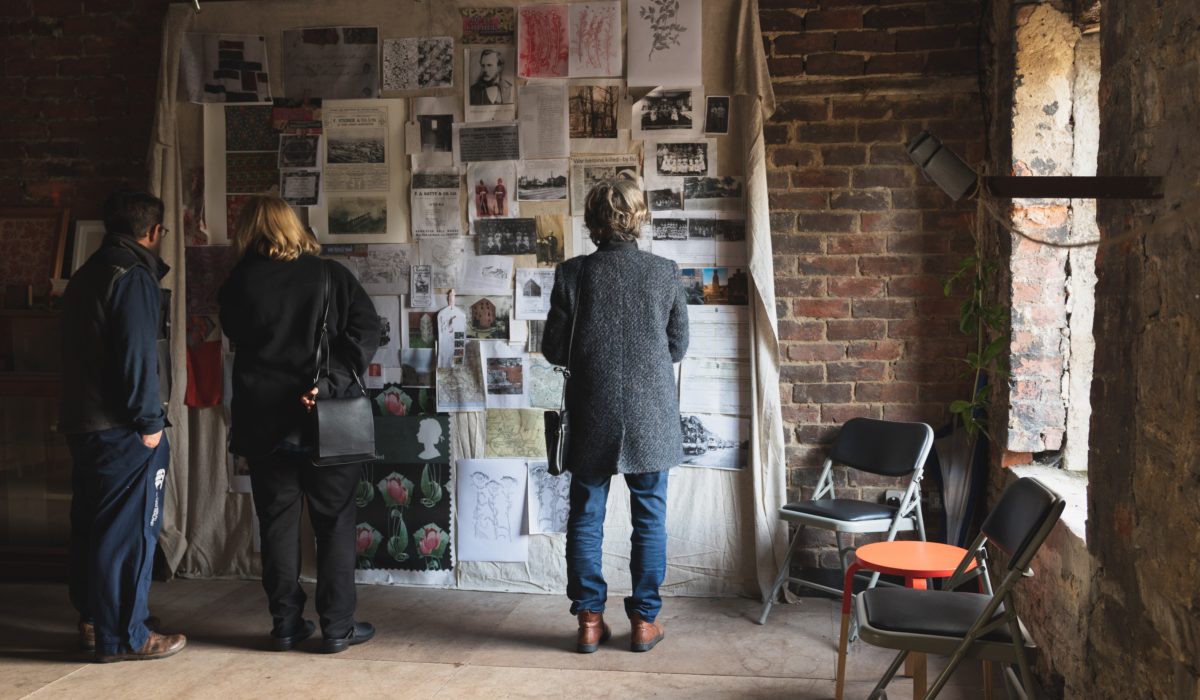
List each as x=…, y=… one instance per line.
x=632, y=325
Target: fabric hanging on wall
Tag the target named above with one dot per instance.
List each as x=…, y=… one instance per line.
x=724, y=536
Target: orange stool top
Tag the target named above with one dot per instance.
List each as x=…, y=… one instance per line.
x=911, y=559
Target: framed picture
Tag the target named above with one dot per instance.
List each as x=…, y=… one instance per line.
x=89, y=234
x=34, y=240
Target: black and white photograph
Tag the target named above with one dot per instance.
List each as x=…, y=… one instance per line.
x=731, y=229
x=595, y=174
x=715, y=441
x=436, y=181
x=357, y=214
x=593, y=111
x=551, y=239
x=356, y=146
x=506, y=236
x=712, y=193
x=702, y=229
x=666, y=110
x=681, y=158
x=298, y=151
x=505, y=376
x=669, y=229
x=716, y=115
x=437, y=133
x=490, y=74
x=664, y=199
x=542, y=181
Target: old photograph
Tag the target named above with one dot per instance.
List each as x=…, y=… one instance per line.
x=593, y=111
x=551, y=239
x=702, y=229
x=719, y=442
x=669, y=229
x=676, y=158
x=487, y=316
x=712, y=193
x=489, y=185
x=716, y=115
x=666, y=110
x=348, y=215
x=715, y=285
x=664, y=199
x=506, y=236
x=356, y=146
x=437, y=133
x=542, y=180
x=505, y=376
x=490, y=76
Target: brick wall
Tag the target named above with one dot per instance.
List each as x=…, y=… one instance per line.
x=76, y=99
x=861, y=241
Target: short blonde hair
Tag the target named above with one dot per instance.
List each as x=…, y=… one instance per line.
x=615, y=209
x=268, y=226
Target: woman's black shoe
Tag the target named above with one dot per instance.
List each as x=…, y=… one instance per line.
x=359, y=633
x=285, y=643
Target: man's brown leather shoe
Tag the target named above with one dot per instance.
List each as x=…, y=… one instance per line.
x=158, y=646
x=592, y=632
x=645, y=634
x=87, y=632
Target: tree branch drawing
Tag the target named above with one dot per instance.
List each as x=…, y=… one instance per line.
x=664, y=29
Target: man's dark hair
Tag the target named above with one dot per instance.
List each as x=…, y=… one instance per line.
x=132, y=212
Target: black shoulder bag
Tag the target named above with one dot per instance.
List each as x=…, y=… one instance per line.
x=558, y=423
x=343, y=429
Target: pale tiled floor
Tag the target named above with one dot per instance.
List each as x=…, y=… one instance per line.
x=445, y=644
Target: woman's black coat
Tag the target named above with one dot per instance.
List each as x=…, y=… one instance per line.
x=271, y=309
x=632, y=325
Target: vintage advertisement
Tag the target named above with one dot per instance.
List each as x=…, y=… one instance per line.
x=491, y=502
x=668, y=113
x=493, y=141
x=718, y=331
x=664, y=43
x=542, y=180
x=543, y=123
x=384, y=269
x=356, y=155
x=491, y=188
x=420, y=295
x=596, y=117
x=672, y=159
x=543, y=45
x=718, y=442
x=709, y=385
x=299, y=117
x=418, y=63
x=506, y=236
x=444, y=257
x=435, y=117
x=713, y=193
x=436, y=210
x=224, y=68
x=586, y=171
x=388, y=309
x=505, y=372
x=595, y=34
x=334, y=63
x=300, y=188
x=488, y=25
x=486, y=274
x=487, y=317
x=715, y=285
x=533, y=293
x=490, y=92
x=460, y=386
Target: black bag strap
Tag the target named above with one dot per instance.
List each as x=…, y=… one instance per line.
x=566, y=371
x=323, y=347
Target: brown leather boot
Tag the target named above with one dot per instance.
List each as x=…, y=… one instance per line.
x=87, y=633
x=645, y=634
x=592, y=632
x=158, y=646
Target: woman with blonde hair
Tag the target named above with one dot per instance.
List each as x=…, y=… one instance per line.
x=618, y=321
x=271, y=308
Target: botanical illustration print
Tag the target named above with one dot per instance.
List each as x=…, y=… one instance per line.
x=496, y=501
x=543, y=48
x=665, y=30
x=404, y=517
x=549, y=499
x=595, y=39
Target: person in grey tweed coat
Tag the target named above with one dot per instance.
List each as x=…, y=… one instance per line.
x=630, y=324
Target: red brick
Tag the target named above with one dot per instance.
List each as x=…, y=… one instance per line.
x=776, y=134
x=834, y=64
x=908, y=242
x=801, y=44
x=890, y=221
x=83, y=66
x=924, y=108
x=799, y=286
x=825, y=133
x=920, y=286
x=890, y=132
x=785, y=67
x=56, y=8
x=941, y=393
x=875, y=350
x=16, y=9
x=938, y=38
x=948, y=221
x=833, y=19
x=777, y=180
x=813, y=352
x=821, y=177
x=815, y=434
x=870, y=108
x=801, y=374
x=800, y=200
x=30, y=67
x=888, y=17
x=802, y=413
x=882, y=308
x=54, y=47
x=857, y=329
x=895, y=63
x=787, y=4
x=843, y=155
x=781, y=221
x=856, y=287
x=953, y=13
x=801, y=330
x=881, y=177
x=856, y=371
x=794, y=244
x=860, y=200
x=855, y=244
x=921, y=327
x=793, y=157
x=780, y=21
x=51, y=87
x=821, y=393
x=801, y=111
x=865, y=41
x=953, y=62
x=888, y=265
x=924, y=413
x=840, y=413
x=821, y=308
x=825, y=223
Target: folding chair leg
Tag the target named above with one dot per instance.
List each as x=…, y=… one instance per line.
x=888, y=675
x=781, y=579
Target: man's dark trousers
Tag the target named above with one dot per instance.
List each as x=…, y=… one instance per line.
x=116, y=515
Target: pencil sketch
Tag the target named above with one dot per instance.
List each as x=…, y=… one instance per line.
x=595, y=39
x=385, y=268
x=550, y=496
x=494, y=503
x=661, y=15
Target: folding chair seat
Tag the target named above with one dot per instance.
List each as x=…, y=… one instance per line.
x=965, y=625
x=883, y=448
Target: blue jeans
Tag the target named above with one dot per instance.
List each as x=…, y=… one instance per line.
x=116, y=515
x=585, y=539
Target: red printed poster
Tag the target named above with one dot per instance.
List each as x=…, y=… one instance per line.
x=543, y=44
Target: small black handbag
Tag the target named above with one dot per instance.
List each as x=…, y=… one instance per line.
x=558, y=423
x=343, y=428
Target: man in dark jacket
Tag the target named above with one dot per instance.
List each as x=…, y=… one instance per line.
x=114, y=330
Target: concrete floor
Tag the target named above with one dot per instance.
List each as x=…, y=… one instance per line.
x=444, y=644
